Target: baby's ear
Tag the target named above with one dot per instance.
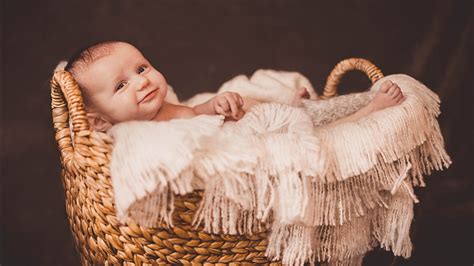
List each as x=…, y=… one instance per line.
x=97, y=122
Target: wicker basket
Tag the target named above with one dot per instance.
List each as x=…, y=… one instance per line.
x=99, y=237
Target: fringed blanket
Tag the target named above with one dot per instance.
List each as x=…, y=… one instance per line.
x=327, y=192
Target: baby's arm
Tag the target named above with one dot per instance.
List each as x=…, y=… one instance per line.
x=227, y=103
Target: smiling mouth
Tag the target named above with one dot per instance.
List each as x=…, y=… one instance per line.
x=149, y=96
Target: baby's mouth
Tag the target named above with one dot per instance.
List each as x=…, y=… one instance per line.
x=148, y=96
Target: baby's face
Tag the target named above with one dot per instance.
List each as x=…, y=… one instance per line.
x=124, y=86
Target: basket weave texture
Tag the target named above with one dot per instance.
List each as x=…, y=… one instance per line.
x=99, y=238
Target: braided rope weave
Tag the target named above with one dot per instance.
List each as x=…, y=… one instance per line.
x=372, y=72
x=99, y=237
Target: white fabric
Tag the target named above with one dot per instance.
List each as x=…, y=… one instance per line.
x=329, y=192
x=264, y=85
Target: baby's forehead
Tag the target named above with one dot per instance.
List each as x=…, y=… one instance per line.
x=109, y=65
x=121, y=51
x=109, y=60
x=92, y=74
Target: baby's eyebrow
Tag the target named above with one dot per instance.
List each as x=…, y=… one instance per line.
x=116, y=75
x=113, y=79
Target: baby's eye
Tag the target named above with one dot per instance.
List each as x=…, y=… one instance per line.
x=141, y=69
x=120, y=85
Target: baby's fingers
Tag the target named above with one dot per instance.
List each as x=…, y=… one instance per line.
x=233, y=106
x=239, y=99
x=224, y=104
x=221, y=111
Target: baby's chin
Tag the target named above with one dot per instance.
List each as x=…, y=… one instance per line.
x=152, y=114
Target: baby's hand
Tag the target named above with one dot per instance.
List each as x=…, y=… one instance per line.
x=228, y=104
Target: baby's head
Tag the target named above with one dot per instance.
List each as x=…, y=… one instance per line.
x=118, y=84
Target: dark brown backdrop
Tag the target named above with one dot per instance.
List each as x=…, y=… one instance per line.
x=200, y=44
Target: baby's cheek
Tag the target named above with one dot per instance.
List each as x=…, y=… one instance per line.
x=158, y=77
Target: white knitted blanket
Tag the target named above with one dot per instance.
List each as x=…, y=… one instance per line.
x=326, y=192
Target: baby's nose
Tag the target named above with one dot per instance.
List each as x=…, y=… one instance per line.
x=142, y=82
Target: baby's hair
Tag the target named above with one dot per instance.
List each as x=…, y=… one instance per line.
x=89, y=54
x=86, y=56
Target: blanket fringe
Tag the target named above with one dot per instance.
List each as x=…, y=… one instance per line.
x=389, y=134
x=330, y=192
x=157, y=175
x=387, y=226
x=219, y=214
x=391, y=226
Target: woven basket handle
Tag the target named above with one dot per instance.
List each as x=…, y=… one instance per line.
x=66, y=102
x=373, y=72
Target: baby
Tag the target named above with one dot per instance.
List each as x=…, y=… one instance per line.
x=119, y=84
